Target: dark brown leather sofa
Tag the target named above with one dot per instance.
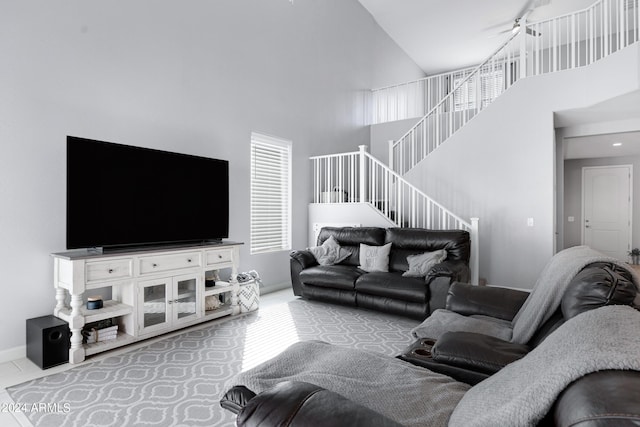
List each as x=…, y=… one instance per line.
x=471, y=357
x=389, y=292
x=603, y=398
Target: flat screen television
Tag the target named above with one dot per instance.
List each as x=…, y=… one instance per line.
x=122, y=196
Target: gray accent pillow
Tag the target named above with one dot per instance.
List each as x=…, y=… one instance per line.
x=374, y=258
x=419, y=265
x=330, y=252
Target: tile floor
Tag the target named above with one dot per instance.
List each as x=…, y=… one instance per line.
x=22, y=370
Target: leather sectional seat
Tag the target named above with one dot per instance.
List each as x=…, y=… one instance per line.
x=472, y=357
x=604, y=396
x=386, y=291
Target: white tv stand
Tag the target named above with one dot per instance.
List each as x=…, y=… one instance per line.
x=153, y=291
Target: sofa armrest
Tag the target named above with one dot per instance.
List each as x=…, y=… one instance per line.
x=457, y=271
x=298, y=261
x=476, y=352
x=604, y=398
x=293, y=403
x=501, y=303
x=304, y=258
x=236, y=398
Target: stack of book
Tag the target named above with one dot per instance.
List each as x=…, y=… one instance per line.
x=103, y=330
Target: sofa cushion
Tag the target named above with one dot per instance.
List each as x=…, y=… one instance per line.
x=421, y=264
x=350, y=238
x=393, y=285
x=374, y=258
x=331, y=276
x=329, y=252
x=477, y=352
x=412, y=241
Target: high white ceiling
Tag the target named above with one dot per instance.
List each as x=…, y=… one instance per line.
x=444, y=35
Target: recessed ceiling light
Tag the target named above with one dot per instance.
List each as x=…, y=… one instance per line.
x=617, y=144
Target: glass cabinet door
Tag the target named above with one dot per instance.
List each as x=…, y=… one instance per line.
x=184, y=298
x=154, y=313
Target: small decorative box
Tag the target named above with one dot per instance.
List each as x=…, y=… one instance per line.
x=94, y=302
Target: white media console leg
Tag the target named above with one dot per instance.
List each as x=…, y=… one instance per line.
x=235, y=307
x=76, y=352
x=60, y=296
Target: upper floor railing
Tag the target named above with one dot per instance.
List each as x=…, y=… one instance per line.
x=410, y=99
x=561, y=43
x=472, y=91
x=580, y=38
x=358, y=177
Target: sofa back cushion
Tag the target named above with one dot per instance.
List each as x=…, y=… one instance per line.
x=412, y=241
x=597, y=285
x=350, y=238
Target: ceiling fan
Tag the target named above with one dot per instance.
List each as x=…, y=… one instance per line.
x=516, y=28
x=526, y=9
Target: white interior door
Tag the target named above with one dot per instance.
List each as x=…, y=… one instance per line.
x=606, y=198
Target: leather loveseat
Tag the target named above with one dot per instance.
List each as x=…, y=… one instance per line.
x=389, y=291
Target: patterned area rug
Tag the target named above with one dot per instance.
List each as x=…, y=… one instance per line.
x=178, y=381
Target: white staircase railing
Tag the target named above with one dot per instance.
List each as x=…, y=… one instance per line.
x=410, y=99
x=472, y=91
x=358, y=177
x=561, y=43
x=580, y=38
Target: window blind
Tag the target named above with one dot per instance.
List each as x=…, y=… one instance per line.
x=491, y=85
x=270, y=194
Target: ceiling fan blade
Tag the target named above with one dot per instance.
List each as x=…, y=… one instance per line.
x=530, y=5
x=499, y=34
x=497, y=26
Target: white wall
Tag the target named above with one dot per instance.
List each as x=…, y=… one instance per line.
x=382, y=133
x=500, y=167
x=195, y=77
x=343, y=215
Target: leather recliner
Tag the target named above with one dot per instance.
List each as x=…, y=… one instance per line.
x=603, y=398
x=471, y=357
x=600, y=399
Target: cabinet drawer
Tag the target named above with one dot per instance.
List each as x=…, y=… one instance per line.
x=160, y=263
x=219, y=256
x=108, y=270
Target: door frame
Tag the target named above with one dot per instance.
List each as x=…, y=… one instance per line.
x=582, y=213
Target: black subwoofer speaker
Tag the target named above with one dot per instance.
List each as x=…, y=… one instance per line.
x=47, y=341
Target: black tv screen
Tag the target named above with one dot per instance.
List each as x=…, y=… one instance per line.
x=120, y=195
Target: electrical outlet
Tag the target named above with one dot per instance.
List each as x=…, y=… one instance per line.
x=529, y=222
x=571, y=219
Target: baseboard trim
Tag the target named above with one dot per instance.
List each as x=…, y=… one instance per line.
x=274, y=287
x=14, y=353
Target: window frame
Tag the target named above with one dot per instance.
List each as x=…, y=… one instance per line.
x=280, y=151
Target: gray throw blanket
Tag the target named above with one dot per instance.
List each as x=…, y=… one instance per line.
x=523, y=392
x=408, y=394
x=518, y=395
x=543, y=301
